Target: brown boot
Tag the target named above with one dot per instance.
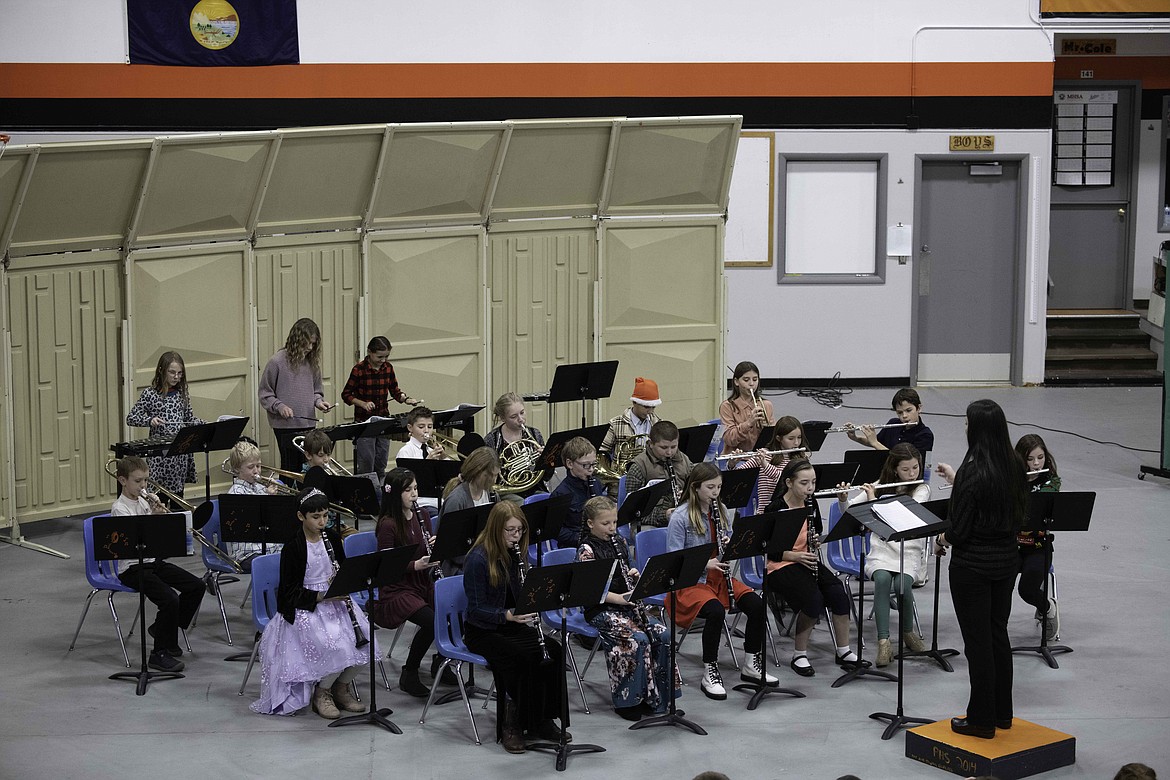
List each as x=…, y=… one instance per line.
x=513, y=737
x=885, y=653
x=344, y=699
x=323, y=704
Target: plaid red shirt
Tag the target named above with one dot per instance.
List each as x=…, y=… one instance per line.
x=369, y=384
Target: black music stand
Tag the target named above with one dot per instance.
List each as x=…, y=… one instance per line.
x=764, y=438
x=125, y=537
x=563, y=587
x=753, y=536
x=457, y=533
x=669, y=573
x=545, y=518
x=737, y=487
x=550, y=457
x=641, y=503
x=815, y=432
x=921, y=524
x=266, y=520
x=869, y=464
x=431, y=476
x=695, y=441
x=1054, y=512
x=940, y=508
x=207, y=438
x=582, y=382
x=829, y=475
x=461, y=417
x=850, y=525
x=365, y=573
x=354, y=493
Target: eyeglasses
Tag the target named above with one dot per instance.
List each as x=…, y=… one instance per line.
x=587, y=466
x=518, y=530
x=174, y=373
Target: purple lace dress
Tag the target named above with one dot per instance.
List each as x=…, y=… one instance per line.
x=293, y=657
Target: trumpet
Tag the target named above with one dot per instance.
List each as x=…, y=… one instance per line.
x=185, y=506
x=851, y=427
x=293, y=475
x=760, y=407
x=877, y=486
x=449, y=446
x=332, y=466
x=766, y=453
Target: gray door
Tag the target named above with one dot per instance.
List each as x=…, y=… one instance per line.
x=968, y=264
x=1089, y=232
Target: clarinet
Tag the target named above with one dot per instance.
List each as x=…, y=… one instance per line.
x=716, y=513
x=669, y=468
x=359, y=636
x=814, y=547
x=523, y=566
x=639, y=607
x=422, y=526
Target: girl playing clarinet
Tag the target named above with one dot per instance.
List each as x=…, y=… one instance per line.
x=697, y=521
x=637, y=650
x=314, y=648
x=1032, y=544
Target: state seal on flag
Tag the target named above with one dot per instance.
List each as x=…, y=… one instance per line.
x=214, y=24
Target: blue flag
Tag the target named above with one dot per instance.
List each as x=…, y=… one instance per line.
x=213, y=32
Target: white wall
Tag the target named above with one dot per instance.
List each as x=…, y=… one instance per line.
x=561, y=31
x=1147, y=205
x=864, y=330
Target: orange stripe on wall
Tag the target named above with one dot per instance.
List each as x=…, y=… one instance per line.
x=473, y=80
x=1152, y=72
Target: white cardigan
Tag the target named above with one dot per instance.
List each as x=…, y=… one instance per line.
x=884, y=555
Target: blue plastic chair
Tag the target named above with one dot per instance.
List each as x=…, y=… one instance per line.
x=575, y=623
x=218, y=571
x=265, y=580
x=450, y=606
x=102, y=577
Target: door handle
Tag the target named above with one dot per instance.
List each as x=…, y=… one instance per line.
x=1121, y=213
x=925, y=249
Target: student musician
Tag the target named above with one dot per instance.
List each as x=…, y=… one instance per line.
x=165, y=407
x=411, y=598
x=798, y=577
x=788, y=435
x=244, y=461
x=420, y=427
x=637, y=647
x=1032, y=544
x=579, y=485
x=908, y=406
x=509, y=411
x=660, y=460
x=314, y=647
x=697, y=521
x=291, y=391
x=473, y=487
x=369, y=383
x=318, y=452
x=744, y=414
x=632, y=425
x=986, y=512
x=175, y=591
x=884, y=559
x=528, y=688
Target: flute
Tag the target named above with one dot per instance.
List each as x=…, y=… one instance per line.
x=851, y=427
x=1036, y=473
x=765, y=453
x=878, y=486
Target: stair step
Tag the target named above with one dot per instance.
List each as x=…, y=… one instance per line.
x=1094, y=353
x=1096, y=334
x=1092, y=377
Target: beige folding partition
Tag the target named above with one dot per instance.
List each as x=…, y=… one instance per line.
x=489, y=253
x=64, y=313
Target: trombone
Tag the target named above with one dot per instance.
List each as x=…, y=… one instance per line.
x=332, y=466
x=185, y=506
x=282, y=488
x=766, y=453
x=449, y=446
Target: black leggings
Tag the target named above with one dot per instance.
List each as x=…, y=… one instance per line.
x=795, y=584
x=714, y=613
x=1032, y=573
x=424, y=618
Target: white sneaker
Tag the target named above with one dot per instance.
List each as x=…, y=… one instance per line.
x=712, y=683
x=753, y=670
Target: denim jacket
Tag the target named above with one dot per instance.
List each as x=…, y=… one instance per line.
x=680, y=535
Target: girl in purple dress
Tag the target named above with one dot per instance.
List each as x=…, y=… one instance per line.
x=315, y=647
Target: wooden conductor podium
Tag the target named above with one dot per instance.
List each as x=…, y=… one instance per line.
x=1024, y=750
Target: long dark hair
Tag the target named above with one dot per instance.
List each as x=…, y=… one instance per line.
x=397, y=482
x=1031, y=441
x=741, y=368
x=991, y=470
x=899, y=453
